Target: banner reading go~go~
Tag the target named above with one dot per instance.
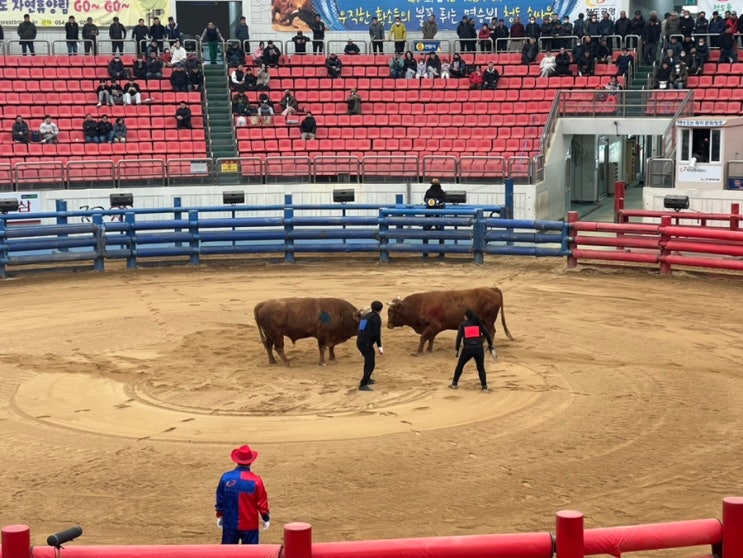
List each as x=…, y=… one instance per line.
x=55, y=13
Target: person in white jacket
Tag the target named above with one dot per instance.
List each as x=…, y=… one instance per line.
x=48, y=130
x=178, y=54
x=548, y=65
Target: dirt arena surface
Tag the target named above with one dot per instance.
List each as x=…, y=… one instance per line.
x=123, y=394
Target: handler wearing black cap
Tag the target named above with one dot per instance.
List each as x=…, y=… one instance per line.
x=370, y=332
x=472, y=332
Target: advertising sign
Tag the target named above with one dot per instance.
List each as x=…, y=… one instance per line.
x=28, y=202
x=55, y=13
x=699, y=173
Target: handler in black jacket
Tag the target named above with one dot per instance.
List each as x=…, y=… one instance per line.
x=370, y=332
x=473, y=333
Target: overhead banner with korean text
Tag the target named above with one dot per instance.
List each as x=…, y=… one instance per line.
x=55, y=13
x=355, y=15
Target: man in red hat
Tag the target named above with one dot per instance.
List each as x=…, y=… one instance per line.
x=241, y=498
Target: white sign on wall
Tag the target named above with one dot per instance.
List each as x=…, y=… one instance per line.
x=699, y=173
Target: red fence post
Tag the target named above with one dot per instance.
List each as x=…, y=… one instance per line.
x=619, y=188
x=569, y=534
x=16, y=541
x=572, y=218
x=297, y=540
x=734, y=219
x=732, y=527
x=665, y=222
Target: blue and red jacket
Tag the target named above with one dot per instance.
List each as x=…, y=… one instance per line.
x=241, y=497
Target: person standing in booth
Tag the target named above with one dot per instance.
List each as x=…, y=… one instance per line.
x=241, y=500
x=370, y=332
x=472, y=332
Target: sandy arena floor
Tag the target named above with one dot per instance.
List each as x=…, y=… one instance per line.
x=125, y=392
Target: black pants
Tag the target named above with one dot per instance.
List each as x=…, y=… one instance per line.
x=117, y=46
x=318, y=46
x=367, y=351
x=377, y=46
x=90, y=46
x=399, y=47
x=479, y=355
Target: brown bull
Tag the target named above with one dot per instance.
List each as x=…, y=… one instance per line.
x=330, y=320
x=432, y=312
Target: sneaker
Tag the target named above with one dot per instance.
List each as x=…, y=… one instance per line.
x=99, y=104
x=365, y=388
x=453, y=386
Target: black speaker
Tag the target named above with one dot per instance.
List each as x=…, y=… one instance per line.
x=233, y=197
x=8, y=204
x=343, y=196
x=121, y=200
x=456, y=196
x=675, y=201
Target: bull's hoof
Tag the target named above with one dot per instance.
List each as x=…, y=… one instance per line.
x=322, y=364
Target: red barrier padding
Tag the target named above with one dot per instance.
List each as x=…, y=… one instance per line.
x=637, y=228
x=569, y=531
x=297, y=540
x=703, y=232
x=524, y=545
x=615, y=256
x=705, y=247
x=644, y=242
x=160, y=551
x=657, y=536
x=735, y=265
x=16, y=541
x=732, y=527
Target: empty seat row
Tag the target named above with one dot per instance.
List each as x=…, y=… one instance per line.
x=431, y=146
x=141, y=149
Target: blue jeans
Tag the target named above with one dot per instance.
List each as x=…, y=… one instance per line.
x=91, y=139
x=235, y=536
x=108, y=138
x=71, y=47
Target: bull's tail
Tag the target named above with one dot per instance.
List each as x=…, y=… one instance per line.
x=503, y=314
x=260, y=329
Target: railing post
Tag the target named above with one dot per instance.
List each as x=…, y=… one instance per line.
x=509, y=199
x=99, y=231
x=3, y=247
x=619, y=188
x=478, y=237
x=665, y=222
x=130, y=220
x=16, y=541
x=572, y=245
x=297, y=540
x=195, y=242
x=177, y=215
x=732, y=527
x=735, y=217
x=569, y=534
x=399, y=199
x=384, y=254
x=60, y=206
x=288, y=229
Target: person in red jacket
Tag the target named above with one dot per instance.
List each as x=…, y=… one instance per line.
x=476, y=79
x=241, y=500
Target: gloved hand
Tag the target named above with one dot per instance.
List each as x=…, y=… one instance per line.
x=219, y=522
x=491, y=350
x=381, y=351
x=266, y=525
x=456, y=354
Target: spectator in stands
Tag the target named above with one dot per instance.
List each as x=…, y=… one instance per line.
x=671, y=57
x=300, y=41
x=517, y=32
x=258, y=54
x=562, y=63
x=624, y=62
x=715, y=27
x=237, y=78
x=376, y=35
x=116, y=69
x=622, y=27
x=545, y=32
x=105, y=130
x=117, y=93
x=445, y=69
x=463, y=34
x=20, y=130
x=117, y=34
x=152, y=47
x=397, y=66
x=27, y=34
x=476, y=79
x=433, y=65
x=132, y=94
x=178, y=55
x=560, y=36
x=586, y=64
x=430, y=28
x=651, y=38
x=663, y=76
x=308, y=127
x=179, y=80
x=530, y=51
x=490, y=77
x=166, y=57
x=48, y=130
x=191, y=62
x=103, y=92
x=399, y=34
x=140, y=33
x=318, y=35
x=119, y=131
x=613, y=84
x=672, y=25
x=90, y=37
x=139, y=70
x=172, y=32
x=241, y=105
x=213, y=37
x=533, y=29
x=603, y=52
x=271, y=55
x=500, y=34
x=606, y=25
x=235, y=54
x=195, y=79
x=289, y=104
x=420, y=68
x=636, y=29
x=242, y=34
x=686, y=24
x=592, y=26
x=154, y=67
x=548, y=65
x=157, y=33
x=334, y=66
x=411, y=65
x=579, y=26
x=702, y=53
x=264, y=79
x=728, y=46
x=674, y=45
x=679, y=75
x=72, y=34
x=351, y=48
x=354, y=102
x=457, y=68
x=265, y=112
x=90, y=129
x=486, y=45
x=183, y=117
x=687, y=44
